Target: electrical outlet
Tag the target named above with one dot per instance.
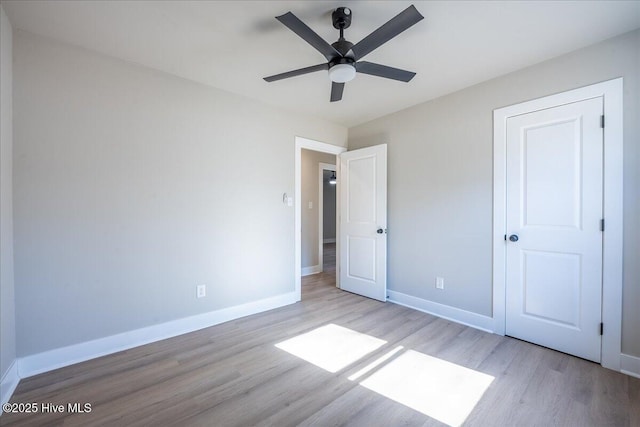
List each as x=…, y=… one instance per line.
x=439, y=282
x=201, y=291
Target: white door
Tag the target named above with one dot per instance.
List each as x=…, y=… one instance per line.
x=363, y=222
x=554, y=238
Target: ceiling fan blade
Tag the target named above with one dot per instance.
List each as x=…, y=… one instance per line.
x=297, y=72
x=386, y=32
x=301, y=29
x=336, y=91
x=370, y=68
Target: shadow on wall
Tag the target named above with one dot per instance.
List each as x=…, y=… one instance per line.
x=370, y=140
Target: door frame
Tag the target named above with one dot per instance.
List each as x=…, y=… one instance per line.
x=323, y=147
x=611, y=92
x=321, y=168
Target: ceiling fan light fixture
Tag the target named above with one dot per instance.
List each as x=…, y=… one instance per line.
x=342, y=73
x=333, y=180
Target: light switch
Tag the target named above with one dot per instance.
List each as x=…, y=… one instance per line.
x=287, y=200
x=310, y=205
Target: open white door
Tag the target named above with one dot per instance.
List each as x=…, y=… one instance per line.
x=363, y=222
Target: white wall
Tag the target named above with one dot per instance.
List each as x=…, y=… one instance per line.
x=440, y=178
x=133, y=186
x=311, y=217
x=7, y=299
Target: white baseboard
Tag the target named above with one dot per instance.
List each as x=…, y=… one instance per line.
x=313, y=269
x=329, y=240
x=65, y=356
x=9, y=382
x=468, y=318
x=630, y=365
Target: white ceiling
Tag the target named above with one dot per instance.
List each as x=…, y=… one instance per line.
x=233, y=44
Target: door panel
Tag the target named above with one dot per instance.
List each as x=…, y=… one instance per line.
x=554, y=298
x=362, y=256
x=554, y=182
x=363, y=206
x=554, y=206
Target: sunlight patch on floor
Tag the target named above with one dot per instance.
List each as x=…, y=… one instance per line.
x=437, y=388
x=331, y=347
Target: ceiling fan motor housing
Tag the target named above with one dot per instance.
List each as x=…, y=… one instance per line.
x=343, y=46
x=341, y=18
x=342, y=69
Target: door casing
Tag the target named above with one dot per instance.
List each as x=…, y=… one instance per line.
x=611, y=91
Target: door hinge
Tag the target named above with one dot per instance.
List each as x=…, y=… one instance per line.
x=601, y=328
x=602, y=121
x=602, y=224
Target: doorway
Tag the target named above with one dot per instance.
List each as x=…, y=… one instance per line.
x=327, y=216
x=313, y=219
x=300, y=203
x=549, y=228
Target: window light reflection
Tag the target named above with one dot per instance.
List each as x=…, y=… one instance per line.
x=331, y=347
x=437, y=388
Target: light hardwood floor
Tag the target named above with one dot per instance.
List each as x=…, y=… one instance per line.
x=233, y=375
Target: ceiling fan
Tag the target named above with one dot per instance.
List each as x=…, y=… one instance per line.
x=344, y=57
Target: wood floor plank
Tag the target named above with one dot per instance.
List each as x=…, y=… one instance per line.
x=234, y=375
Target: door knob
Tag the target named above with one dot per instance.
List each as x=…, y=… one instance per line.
x=379, y=231
x=513, y=237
